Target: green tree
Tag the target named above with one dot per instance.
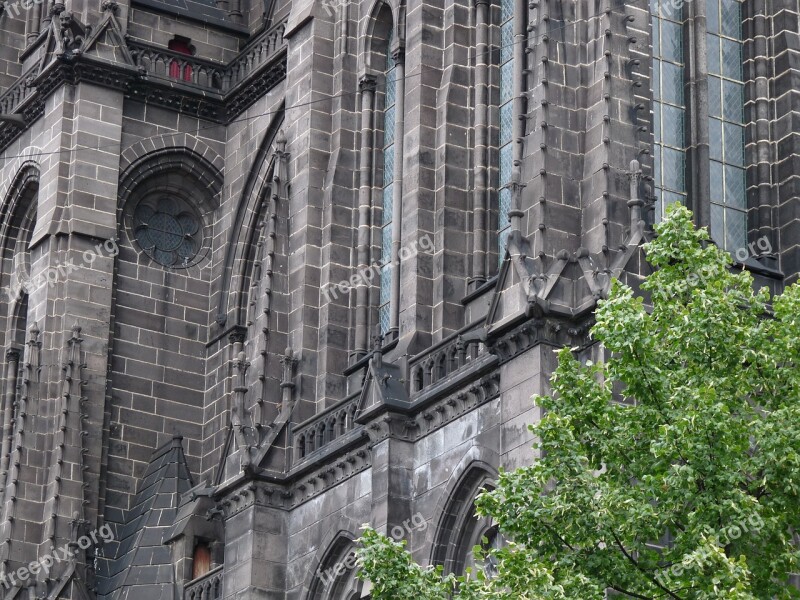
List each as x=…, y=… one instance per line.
x=668, y=470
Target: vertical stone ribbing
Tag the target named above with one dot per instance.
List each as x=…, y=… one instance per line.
x=13, y=496
x=480, y=181
x=397, y=189
x=9, y=399
x=697, y=151
x=367, y=86
x=785, y=46
x=520, y=119
x=757, y=116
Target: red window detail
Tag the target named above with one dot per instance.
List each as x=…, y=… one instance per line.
x=175, y=70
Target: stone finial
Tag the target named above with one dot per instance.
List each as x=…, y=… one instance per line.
x=280, y=140
x=634, y=202
x=377, y=349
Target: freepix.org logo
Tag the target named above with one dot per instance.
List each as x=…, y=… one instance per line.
x=416, y=523
x=22, y=284
x=16, y=8
x=365, y=276
x=59, y=555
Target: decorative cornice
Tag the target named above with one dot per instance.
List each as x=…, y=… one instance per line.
x=553, y=331
x=295, y=489
x=136, y=85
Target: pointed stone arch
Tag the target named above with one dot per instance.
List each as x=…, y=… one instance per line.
x=458, y=530
x=385, y=17
x=334, y=578
x=256, y=195
x=18, y=220
x=136, y=152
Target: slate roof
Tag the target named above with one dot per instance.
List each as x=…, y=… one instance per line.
x=141, y=565
x=199, y=10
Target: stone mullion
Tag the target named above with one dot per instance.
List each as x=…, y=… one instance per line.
x=397, y=190
x=760, y=163
x=367, y=86
x=786, y=101
x=480, y=189
x=9, y=399
x=520, y=117
x=697, y=125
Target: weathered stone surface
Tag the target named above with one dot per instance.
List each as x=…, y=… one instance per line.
x=255, y=341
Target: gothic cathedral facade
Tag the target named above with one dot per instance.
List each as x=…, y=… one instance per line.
x=274, y=269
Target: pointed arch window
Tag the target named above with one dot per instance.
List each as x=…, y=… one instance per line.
x=669, y=107
x=725, y=114
x=384, y=309
x=506, y=122
x=726, y=127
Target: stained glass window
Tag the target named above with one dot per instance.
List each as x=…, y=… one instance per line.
x=506, y=121
x=726, y=130
x=726, y=115
x=384, y=310
x=669, y=107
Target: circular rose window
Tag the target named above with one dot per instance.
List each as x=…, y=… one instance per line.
x=168, y=230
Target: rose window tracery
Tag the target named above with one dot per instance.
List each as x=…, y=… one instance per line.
x=168, y=230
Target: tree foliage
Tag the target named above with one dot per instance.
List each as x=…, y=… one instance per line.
x=669, y=469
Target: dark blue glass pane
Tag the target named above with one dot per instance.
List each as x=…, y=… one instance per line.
x=506, y=164
x=506, y=10
x=718, y=224
x=712, y=16
x=391, y=87
x=657, y=122
x=715, y=139
x=388, y=166
x=506, y=122
x=671, y=9
x=732, y=59
x=672, y=83
x=506, y=42
x=731, y=18
x=734, y=187
x=657, y=166
x=386, y=244
x=656, y=83
x=717, y=182
x=734, y=144
x=732, y=101
x=671, y=41
x=388, y=204
x=505, y=207
x=735, y=232
x=712, y=42
x=674, y=170
x=714, y=97
x=386, y=283
x=672, y=126
x=388, y=126
x=506, y=82
x=656, y=36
